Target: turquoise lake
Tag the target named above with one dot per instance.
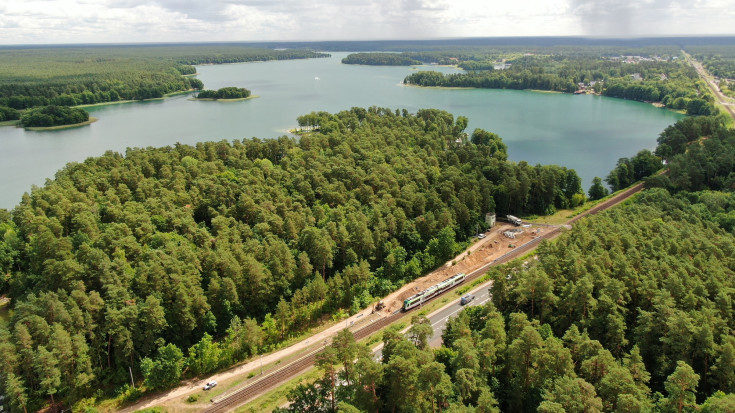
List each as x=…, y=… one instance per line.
x=584, y=132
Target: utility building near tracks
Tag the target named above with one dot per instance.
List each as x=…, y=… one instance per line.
x=490, y=219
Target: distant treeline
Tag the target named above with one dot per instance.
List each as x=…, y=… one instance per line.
x=74, y=76
x=244, y=54
x=669, y=81
x=380, y=59
x=630, y=46
x=230, y=92
x=719, y=60
x=486, y=56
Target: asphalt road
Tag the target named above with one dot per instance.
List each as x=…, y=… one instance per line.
x=440, y=317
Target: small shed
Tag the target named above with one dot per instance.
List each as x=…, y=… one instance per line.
x=490, y=219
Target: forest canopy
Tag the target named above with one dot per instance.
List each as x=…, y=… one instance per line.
x=162, y=257
x=631, y=311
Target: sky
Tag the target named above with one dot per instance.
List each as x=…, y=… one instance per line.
x=135, y=21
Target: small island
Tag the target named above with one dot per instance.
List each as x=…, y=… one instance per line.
x=54, y=117
x=226, y=93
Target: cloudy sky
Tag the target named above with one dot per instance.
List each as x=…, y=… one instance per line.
x=122, y=21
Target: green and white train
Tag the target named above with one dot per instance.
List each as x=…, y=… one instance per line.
x=432, y=291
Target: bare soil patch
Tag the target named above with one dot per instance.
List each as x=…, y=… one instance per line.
x=480, y=253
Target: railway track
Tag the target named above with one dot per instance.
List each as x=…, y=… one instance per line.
x=229, y=401
x=240, y=396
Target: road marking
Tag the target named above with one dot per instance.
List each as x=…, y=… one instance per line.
x=455, y=312
x=458, y=310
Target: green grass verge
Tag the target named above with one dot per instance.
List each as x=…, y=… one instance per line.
x=10, y=123
x=563, y=215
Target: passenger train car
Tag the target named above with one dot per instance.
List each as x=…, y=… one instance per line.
x=432, y=291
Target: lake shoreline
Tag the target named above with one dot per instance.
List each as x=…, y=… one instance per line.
x=15, y=122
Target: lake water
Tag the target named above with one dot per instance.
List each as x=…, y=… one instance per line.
x=587, y=133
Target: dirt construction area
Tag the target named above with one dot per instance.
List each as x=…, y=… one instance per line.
x=498, y=241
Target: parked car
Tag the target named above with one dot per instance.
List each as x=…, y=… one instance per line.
x=480, y=236
x=210, y=385
x=466, y=299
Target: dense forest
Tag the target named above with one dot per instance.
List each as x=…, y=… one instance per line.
x=699, y=152
x=651, y=79
x=7, y=113
x=180, y=260
x=224, y=93
x=631, y=311
x=380, y=59
x=69, y=76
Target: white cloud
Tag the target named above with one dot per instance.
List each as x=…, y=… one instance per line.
x=97, y=21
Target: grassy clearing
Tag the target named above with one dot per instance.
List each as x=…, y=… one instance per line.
x=48, y=128
x=10, y=123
